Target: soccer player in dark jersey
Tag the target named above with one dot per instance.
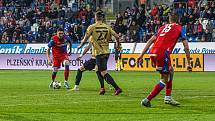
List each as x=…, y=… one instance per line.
x=163, y=43
x=118, y=57
x=58, y=44
x=88, y=65
x=101, y=34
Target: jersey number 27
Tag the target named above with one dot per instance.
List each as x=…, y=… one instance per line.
x=102, y=34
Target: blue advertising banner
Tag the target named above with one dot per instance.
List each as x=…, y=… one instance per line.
x=12, y=48
x=127, y=48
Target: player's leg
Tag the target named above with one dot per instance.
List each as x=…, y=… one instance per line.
x=158, y=87
x=162, y=62
x=116, y=60
x=101, y=79
x=55, y=66
x=169, y=85
x=78, y=77
x=101, y=62
x=90, y=65
x=99, y=74
x=66, y=73
x=120, y=61
x=156, y=90
x=168, y=97
x=54, y=73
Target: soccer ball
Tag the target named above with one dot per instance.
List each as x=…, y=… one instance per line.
x=56, y=85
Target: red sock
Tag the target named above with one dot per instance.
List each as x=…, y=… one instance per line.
x=66, y=73
x=169, y=88
x=158, y=87
x=54, y=75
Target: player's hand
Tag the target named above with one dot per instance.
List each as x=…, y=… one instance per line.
x=49, y=63
x=69, y=53
x=117, y=46
x=79, y=47
x=140, y=59
x=189, y=68
x=78, y=58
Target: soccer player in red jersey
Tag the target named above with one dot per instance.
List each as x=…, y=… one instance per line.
x=163, y=43
x=58, y=44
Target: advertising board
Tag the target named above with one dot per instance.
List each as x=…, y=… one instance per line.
x=129, y=62
x=127, y=48
x=40, y=62
x=209, y=62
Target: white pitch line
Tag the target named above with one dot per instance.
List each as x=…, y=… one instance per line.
x=97, y=101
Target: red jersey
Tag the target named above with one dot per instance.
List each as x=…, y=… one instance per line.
x=59, y=46
x=168, y=36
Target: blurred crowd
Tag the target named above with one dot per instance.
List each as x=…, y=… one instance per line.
x=35, y=21
x=135, y=25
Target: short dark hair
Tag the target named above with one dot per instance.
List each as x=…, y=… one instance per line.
x=100, y=15
x=174, y=18
x=60, y=29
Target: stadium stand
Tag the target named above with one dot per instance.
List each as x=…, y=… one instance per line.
x=35, y=21
x=198, y=19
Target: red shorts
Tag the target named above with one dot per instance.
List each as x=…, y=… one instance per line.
x=57, y=62
x=161, y=59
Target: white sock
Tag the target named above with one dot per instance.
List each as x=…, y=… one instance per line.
x=167, y=98
x=146, y=100
x=76, y=86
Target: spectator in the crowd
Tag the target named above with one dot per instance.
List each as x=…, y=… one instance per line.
x=30, y=37
x=121, y=38
x=141, y=35
x=213, y=35
x=160, y=11
x=120, y=28
x=4, y=38
x=190, y=29
x=196, y=13
x=9, y=33
x=189, y=10
x=191, y=19
x=209, y=27
x=200, y=30
x=133, y=31
x=119, y=18
x=207, y=36
x=180, y=10
x=184, y=19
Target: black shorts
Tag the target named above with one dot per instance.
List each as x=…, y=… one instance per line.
x=90, y=64
x=118, y=55
x=101, y=61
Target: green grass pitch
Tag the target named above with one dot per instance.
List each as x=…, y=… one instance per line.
x=25, y=96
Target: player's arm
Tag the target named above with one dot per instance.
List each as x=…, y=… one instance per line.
x=50, y=44
x=70, y=45
x=186, y=48
x=187, y=52
x=149, y=43
x=86, y=36
x=84, y=52
x=48, y=56
x=116, y=37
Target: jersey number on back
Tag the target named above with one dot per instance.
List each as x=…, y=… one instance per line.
x=102, y=34
x=166, y=29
